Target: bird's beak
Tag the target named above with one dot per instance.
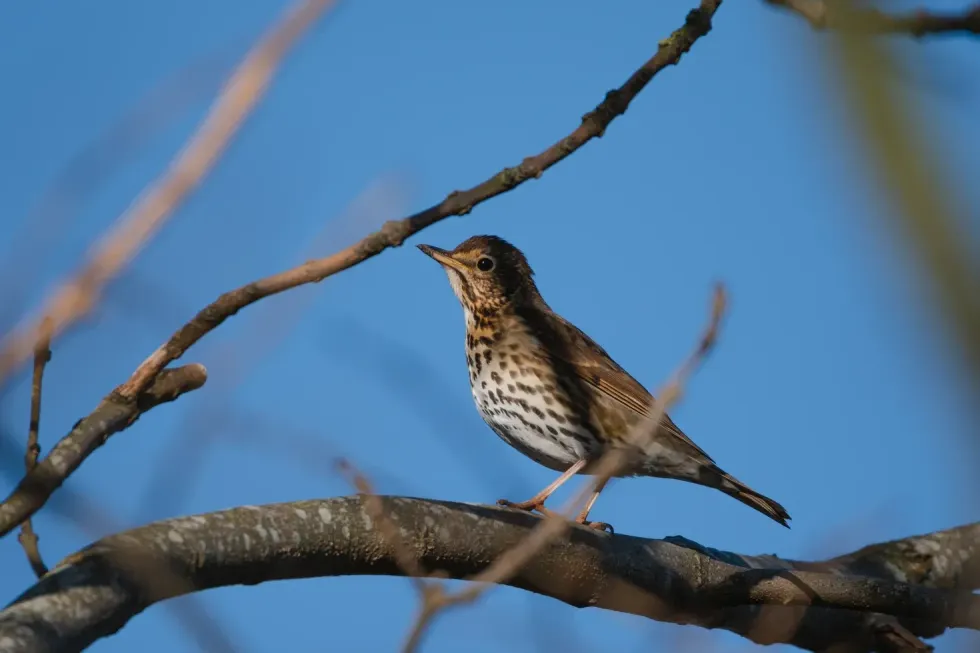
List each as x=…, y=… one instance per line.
x=442, y=257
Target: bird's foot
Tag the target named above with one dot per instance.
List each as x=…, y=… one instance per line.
x=531, y=505
x=519, y=505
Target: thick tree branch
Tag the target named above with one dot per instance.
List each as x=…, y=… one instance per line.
x=113, y=414
x=822, y=16
x=813, y=605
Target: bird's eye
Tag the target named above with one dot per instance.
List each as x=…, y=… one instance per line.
x=485, y=264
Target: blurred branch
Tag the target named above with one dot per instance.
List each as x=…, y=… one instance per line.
x=113, y=414
x=908, y=167
x=823, y=16
x=151, y=209
x=30, y=247
x=394, y=232
x=92, y=594
x=42, y=355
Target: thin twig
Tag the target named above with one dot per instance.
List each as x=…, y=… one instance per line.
x=822, y=16
x=42, y=354
x=553, y=526
x=150, y=210
x=395, y=232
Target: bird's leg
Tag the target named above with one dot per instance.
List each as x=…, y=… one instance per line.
x=584, y=515
x=537, y=501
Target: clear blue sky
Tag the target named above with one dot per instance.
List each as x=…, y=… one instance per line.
x=831, y=389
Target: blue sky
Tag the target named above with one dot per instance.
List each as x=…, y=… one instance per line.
x=831, y=390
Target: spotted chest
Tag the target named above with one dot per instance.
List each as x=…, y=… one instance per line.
x=515, y=395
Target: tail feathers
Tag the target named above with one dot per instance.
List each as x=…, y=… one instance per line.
x=733, y=487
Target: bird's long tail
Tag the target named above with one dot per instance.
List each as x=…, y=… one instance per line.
x=714, y=476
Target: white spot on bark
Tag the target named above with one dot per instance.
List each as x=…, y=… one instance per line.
x=897, y=572
x=300, y=513
x=175, y=537
x=325, y=515
x=926, y=546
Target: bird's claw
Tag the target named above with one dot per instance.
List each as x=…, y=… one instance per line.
x=526, y=506
x=538, y=506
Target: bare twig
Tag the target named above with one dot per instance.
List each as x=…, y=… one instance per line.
x=395, y=232
x=90, y=595
x=147, y=214
x=822, y=16
x=553, y=526
x=113, y=414
x=42, y=354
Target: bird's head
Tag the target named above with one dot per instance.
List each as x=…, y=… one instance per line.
x=486, y=272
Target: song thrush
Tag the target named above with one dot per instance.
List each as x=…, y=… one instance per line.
x=551, y=392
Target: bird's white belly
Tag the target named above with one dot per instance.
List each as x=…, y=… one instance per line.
x=523, y=419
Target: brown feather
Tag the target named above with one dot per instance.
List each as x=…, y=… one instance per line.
x=596, y=368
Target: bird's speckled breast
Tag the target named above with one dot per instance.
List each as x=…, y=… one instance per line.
x=514, y=393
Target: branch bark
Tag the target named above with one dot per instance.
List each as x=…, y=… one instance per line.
x=923, y=580
x=113, y=414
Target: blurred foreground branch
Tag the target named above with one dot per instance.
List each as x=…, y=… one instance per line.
x=78, y=294
x=910, y=168
x=612, y=463
x=95, y=592
x=823, y=15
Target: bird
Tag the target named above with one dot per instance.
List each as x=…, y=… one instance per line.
x=551, y=392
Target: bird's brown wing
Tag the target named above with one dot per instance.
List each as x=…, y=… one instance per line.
x=597, y=369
